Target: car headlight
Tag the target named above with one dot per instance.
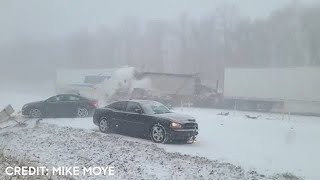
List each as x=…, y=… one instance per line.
x=175, y=125
x=25, y=106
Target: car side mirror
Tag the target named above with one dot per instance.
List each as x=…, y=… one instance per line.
x=139, y=111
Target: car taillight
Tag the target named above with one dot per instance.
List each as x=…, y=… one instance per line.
x=94, y=104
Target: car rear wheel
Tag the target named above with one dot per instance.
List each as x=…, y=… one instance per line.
x=104, y=125
x=158, y=134
x=82, y=112
x=35, y=113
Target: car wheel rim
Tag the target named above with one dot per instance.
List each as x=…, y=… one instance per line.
x=103, y=125
x=35, y=113
x=82, y=112
x=157, y=133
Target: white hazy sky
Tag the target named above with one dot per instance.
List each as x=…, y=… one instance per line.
x=51, y=18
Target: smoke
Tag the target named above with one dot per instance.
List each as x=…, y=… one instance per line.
x=120, y=81
x=144, y=83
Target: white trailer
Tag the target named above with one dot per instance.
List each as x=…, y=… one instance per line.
x=81, y=81
x=295, y=90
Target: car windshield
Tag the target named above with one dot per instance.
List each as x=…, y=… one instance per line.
x=152, y=107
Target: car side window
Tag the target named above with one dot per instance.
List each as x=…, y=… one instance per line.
x=52, y=99
x=74, y=98
x=132, y=107
x=120, y=106
x=62, y=98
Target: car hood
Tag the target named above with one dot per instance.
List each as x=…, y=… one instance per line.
x=175, y=117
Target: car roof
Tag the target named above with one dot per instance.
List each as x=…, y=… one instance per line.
x=72, y=95
x=68, y=95
x=136, y=100
x=141, y=100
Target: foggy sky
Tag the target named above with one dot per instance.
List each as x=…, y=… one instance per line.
x=42, y=19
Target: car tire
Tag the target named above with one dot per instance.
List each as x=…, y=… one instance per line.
x=158, y=134
x=82, y=112
x=104, y=125
x=35, y=113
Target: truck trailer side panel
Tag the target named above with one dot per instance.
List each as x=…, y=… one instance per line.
x=298, y=88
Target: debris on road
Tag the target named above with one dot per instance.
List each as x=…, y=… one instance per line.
x=5, y=114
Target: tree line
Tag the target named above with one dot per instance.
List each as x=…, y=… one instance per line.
x=288, y=37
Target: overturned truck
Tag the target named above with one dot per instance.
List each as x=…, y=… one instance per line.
x=283, y=90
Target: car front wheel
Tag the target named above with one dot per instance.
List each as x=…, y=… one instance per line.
x=158, y=134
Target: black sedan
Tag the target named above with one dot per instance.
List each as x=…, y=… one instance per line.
x=63, y=105
x=143, y=118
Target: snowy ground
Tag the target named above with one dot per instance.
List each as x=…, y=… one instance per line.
x=52, y=146
x=269, y=145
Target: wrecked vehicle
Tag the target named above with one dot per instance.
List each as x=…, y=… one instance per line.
x=148, y=119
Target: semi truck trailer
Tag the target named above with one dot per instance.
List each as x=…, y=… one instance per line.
x=290, y=90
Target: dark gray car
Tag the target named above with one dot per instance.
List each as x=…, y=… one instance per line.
x=62, y=105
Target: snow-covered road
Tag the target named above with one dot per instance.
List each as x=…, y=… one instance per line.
x=35, y=143
x=270, y=144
